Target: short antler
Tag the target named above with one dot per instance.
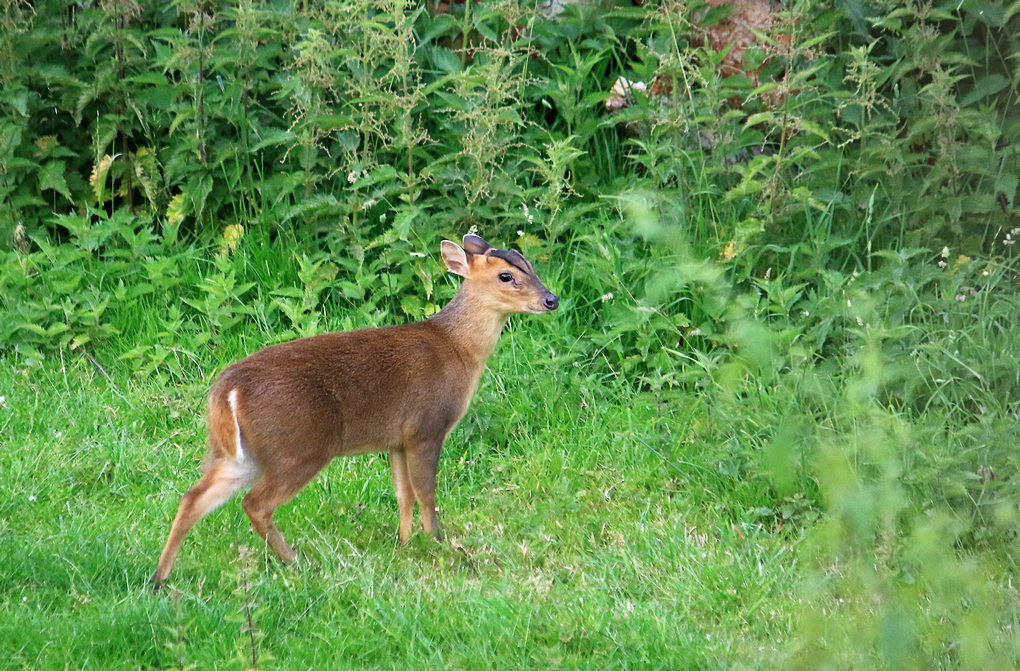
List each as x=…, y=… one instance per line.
x=475, y=245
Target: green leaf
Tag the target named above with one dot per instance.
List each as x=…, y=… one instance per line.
x=291, y=292
x=445, y=60
x=455, y=102
x=198, y=190
x=19, y=101
x=485, y=30
x=411, y=305
x=813, y=128
x=983, y=88
x=273, y=138
x=51, y=176
x=760, y=117
x=1006, y=183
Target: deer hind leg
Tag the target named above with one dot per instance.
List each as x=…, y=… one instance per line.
x=223, y=477
x=274, y=489
x=404, y=491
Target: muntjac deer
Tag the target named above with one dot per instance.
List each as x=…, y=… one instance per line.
x=277, y=417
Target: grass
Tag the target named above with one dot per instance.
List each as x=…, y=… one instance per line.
x=773, y=507
x=576, y=538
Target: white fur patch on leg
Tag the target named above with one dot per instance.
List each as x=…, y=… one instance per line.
x=232, y=400
x=232, y=475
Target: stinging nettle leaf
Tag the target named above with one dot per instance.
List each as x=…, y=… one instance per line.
x=51, y=176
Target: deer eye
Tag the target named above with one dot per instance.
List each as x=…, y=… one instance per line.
x=505, y=277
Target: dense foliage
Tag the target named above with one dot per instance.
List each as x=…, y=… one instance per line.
x=818, y=247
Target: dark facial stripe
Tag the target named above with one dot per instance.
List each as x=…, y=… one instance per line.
x=514, y=258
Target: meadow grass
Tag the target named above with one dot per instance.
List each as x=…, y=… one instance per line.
x=756, y=510
x=579, y=535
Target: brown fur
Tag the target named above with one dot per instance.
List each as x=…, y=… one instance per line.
x=400, y=389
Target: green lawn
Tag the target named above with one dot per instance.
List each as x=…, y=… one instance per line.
x=766, y=512
x=585, y=529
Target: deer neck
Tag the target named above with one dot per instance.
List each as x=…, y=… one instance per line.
x=473, y=328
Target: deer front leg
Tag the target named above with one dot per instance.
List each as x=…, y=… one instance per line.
x=405, y=493
x=422, y=464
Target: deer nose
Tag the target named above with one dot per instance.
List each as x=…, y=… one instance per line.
x=551, y=302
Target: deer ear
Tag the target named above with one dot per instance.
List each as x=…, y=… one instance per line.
x=455, y=258
x=475, y=245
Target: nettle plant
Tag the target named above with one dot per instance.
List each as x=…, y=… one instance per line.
x=362, y=124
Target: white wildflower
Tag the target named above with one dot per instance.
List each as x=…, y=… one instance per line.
x=621, y=93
